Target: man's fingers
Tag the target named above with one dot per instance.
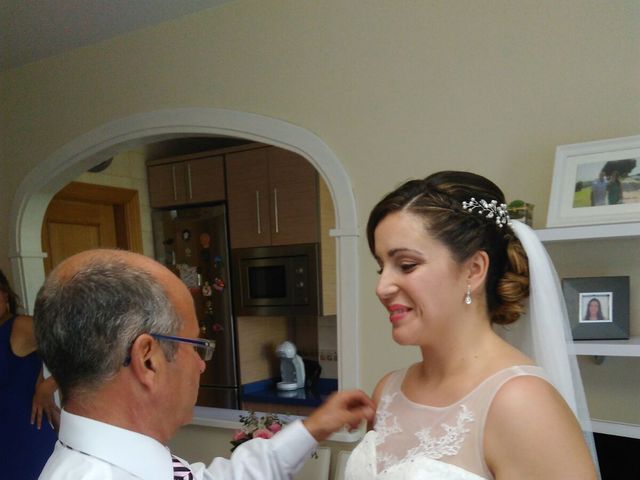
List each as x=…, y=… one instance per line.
x=357, y=415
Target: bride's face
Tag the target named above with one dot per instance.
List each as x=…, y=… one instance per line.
x=420, y=284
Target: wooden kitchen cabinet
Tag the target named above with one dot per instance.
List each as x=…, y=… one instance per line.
x=187, y=182
x=272, y=198
x=248, y=198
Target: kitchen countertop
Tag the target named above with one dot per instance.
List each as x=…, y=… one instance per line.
x=230, y=419
x=265, y=391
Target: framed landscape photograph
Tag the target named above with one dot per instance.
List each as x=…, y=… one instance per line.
x=598, y=307
x=596, y=182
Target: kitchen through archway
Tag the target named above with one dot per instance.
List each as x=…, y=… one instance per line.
x=93, y=147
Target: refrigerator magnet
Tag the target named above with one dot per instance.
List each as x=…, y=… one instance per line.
x=217, y=327
x=208, y=307
x=218, y=284
x=188, y=274
x=205, y=240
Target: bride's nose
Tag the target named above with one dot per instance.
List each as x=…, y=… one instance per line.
x=386, y=287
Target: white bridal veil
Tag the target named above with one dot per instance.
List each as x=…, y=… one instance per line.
x=544, y=333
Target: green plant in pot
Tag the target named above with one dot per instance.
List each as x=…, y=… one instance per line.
x=521, y=210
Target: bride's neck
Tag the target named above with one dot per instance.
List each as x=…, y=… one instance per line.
x=468, y=353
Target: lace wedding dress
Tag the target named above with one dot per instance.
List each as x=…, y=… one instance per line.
x=413, y=441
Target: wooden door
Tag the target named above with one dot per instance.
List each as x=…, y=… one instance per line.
x=71, y=227
x=248, y=198
x=83, y=216
x=294, y=198
x=205, y=180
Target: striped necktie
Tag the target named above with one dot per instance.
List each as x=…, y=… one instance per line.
x=180, y=472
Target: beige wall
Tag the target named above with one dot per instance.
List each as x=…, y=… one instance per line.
x=396, y=89
x=258, y=338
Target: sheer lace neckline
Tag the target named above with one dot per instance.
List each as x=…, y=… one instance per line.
x=464, y=397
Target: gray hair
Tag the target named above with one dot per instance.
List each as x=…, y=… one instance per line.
x=85, y=324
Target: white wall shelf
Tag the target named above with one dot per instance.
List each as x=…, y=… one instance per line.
x=600, y=349
x=608, y=348
x=589, y=232
x=608, y=427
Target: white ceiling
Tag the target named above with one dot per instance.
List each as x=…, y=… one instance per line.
x=34, y=29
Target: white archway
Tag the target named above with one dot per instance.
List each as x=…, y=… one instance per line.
x=39, y=186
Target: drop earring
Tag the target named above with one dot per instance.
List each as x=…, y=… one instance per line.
x=467, y=297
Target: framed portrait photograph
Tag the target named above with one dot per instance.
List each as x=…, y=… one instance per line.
x=598, y=307
x=595, y=183
x=595, y=307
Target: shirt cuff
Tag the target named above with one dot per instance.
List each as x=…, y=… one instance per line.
x=294, y=444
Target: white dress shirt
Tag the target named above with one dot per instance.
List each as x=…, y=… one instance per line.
x=92, y=450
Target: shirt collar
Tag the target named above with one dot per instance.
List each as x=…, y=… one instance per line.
x=138, y=454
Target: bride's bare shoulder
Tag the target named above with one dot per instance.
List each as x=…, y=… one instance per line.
x=377, y=391
x=528, y=416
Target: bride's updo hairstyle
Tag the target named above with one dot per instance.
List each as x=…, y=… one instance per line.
x=438, y=200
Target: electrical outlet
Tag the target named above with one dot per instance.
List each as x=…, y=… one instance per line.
x=328, y=355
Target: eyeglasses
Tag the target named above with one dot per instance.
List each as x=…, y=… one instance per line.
x=203, y=347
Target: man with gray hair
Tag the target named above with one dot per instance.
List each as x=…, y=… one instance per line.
x=120, y=335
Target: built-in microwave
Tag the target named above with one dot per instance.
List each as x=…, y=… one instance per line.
x=279, y=280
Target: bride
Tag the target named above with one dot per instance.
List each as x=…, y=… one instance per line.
x=454, y=271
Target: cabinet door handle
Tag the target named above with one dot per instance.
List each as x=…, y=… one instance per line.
x=189, y=187
x=173, y=178
x=275, y=208
x=258, y=211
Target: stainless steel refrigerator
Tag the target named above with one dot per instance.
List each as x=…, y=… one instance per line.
x=192, y=242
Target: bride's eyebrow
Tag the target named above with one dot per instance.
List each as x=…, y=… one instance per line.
x=395, y=251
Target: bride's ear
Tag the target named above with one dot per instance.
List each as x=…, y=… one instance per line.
x=477, y=267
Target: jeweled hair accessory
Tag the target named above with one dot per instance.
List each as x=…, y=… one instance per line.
x=491, y=210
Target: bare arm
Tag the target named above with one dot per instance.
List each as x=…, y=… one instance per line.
x=531, y=433
x=23, y=338
x=44, y=402
x=23, y=343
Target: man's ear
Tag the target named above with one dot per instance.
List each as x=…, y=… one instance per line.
x=145, y=359
x=477, y=267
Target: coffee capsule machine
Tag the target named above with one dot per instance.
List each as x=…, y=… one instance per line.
x=291, y=367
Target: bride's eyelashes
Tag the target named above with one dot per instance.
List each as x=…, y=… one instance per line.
x=408, y=267
x=405, y=267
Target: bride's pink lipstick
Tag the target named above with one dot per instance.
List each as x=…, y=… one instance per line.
x=397, y=312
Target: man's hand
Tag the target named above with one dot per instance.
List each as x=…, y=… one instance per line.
x=341, y=409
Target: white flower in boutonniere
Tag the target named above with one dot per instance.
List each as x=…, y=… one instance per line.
x=256, y=427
